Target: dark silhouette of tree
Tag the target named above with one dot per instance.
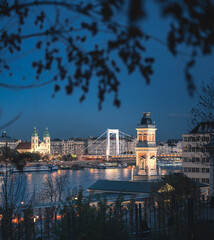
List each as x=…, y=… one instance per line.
x=14, y=199
x=6, y=153
x=177, y=187
x=18, y=159
x=60, y=29
x=203, y=111
x=202, y=115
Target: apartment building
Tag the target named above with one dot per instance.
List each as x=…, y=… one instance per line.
x=196, y=158
x=172, y=146
x=56, y=146
x=76, y=146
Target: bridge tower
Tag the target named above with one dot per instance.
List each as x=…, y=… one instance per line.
x=146, y=150
x=109, y=132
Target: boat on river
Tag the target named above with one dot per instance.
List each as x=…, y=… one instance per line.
x=73, y=167
x=37, y=168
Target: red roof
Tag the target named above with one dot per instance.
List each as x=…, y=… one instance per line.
x=24, y=145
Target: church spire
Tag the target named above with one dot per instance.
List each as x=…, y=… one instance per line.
x=35, y=133
x=46, y=133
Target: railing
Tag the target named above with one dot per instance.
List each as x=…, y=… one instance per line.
x=186, y=219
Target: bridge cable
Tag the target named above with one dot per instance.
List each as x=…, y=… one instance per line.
x=98, y=145
x=94, y=141
x=127, y=134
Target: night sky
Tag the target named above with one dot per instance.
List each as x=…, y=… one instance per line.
x=166, y=97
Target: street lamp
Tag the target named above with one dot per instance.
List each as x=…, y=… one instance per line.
x=210, y=149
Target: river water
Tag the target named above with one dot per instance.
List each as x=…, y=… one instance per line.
x=74, y=178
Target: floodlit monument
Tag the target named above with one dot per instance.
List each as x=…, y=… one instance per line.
x=146, y=150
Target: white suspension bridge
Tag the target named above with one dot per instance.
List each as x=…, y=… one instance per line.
x=112, y=144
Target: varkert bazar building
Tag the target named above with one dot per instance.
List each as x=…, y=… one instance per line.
x=146, y=177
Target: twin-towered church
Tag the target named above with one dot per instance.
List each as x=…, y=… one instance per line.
x=37, y=145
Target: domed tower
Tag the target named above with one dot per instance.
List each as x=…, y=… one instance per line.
x=4, y=134
x=146, y=150
x=47, y=140
x=34, y=140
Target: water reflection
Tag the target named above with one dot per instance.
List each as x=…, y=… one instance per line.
x=45, y=177
x=76, y=178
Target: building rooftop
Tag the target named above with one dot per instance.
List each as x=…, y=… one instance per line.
x=129, y=187
x=204, y=127
x=123, y=186
x=24, y=145
x=56, y=140
x=146, y=120
x=5, y=138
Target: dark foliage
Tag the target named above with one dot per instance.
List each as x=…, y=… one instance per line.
x=21, y=159
x=69, y=157
x=60, y=30
x=184, y=186
x=86, y=221
x=203, y=111
x=7, y=153
x=176, y=187
x=18, y=159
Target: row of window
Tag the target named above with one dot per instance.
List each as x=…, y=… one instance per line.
x=196, y=159
x=196, y=139
x=203, y=180
x=202, y=170
x=146, y=137
x=194, y=149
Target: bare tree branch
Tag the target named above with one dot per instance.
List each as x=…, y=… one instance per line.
x=11, y=121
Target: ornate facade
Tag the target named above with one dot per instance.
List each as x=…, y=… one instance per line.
x=43, y=147
x=146, y=150
x=36, y=145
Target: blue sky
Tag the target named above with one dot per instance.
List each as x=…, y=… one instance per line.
x=166, y=97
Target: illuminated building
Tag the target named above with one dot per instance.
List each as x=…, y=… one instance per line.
x=36, y=145
x=146, y=150
x=56, y=146
x=76, y=146
x=7, y=140
x=196, y=163
x=146, y=179
x=172, y=146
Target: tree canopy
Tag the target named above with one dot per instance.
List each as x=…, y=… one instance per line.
x=6, y=153
x=19, y=159
x=203, y=111
x=178, y=187
x=64, y=40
